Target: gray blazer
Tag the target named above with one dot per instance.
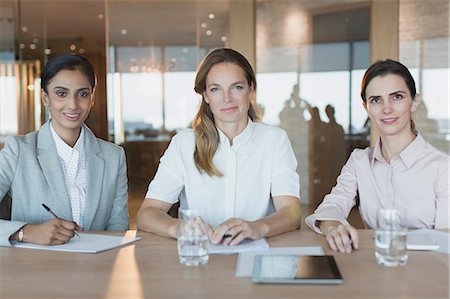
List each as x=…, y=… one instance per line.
x=31, y=172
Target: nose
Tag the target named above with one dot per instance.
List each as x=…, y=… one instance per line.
x=387, y=107
x=227, y=96
x=72, y=102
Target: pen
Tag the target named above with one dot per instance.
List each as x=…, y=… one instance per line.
x=227, y=236
x=54, y=215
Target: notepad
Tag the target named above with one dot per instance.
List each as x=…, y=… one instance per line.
x=85, y=243
x=421, y=240
x=244, y=246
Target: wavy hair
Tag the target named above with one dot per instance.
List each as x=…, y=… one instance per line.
x=206, y=134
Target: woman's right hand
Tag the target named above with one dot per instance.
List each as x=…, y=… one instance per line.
x=53, y=232
x=342, y=238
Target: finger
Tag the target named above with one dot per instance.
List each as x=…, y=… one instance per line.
x=331, y=242
x=354, y=236
x=69, y=225
x=222, y=229
x=238, y=238
x=337, y=235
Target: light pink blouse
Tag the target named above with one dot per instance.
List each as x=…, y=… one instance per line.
x=416, y=182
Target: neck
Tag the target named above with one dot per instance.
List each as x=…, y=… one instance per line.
x=232, y=130
x=70, y=136
x=393, y=145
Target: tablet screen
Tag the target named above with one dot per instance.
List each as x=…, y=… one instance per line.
x=296, y=269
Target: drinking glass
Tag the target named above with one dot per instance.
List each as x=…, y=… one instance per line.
x=390, y=238
x=192, y=237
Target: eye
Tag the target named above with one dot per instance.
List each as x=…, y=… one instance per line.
x=213, y=89
x=375, y=100
x=397, y=97
x=239, y=87
x=61, y=93
x=84, y=94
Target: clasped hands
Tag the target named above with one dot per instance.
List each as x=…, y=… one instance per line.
x=231, y=232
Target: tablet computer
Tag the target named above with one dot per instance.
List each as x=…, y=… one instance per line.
x=293, y=269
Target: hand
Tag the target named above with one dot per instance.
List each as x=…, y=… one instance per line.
x=197, y=224
x=53, y=232
x=342, y=238
x=238, y=229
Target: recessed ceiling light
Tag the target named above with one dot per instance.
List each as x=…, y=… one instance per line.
x=100, y=16
x=208, y=32
x=47, y=51
x=81, y=51
x=223, y=38
x=24, y=28
x=32, y=46
x=123, y=31
x=203, y=25
x=35, y=40
x=211, y=16
x=22, y=46
x=72, y=47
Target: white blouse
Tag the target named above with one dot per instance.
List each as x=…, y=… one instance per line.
x=258, y=166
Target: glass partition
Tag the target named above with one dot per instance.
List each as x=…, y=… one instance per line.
x=311, y=56
x=424, y=49
x=152, y=63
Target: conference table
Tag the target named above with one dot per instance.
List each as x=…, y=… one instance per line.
x=149, y=268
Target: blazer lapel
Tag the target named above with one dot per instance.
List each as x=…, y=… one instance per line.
x=53, y=172
x=95, y=166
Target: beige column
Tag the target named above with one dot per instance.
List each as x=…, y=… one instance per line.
x=242, y=35
x=384, y=36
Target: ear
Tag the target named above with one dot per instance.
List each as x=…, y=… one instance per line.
x=416, y=102
x=92, y=100
x=364, y=103
x=44, y=98
x=205, y=98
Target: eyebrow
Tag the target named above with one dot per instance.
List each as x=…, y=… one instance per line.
x=65, y=88
x=391, y=94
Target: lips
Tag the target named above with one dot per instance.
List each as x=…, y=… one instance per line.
x=389, y=120
x=229, y=109
x=72, y=116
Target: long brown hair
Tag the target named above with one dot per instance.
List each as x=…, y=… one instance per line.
x=206, y=134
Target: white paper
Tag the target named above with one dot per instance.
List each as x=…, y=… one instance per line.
x=246, y=245
x=244, y=265
x=85, y=243
x=440, y=238
x=420, y=240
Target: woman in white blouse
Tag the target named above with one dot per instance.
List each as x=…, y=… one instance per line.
x=63, y=166
x=242, y=172
x=402, y=171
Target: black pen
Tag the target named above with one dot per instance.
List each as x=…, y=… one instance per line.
x=227, y=236
x=54, y=215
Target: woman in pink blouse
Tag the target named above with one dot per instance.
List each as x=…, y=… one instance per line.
x=402, y=171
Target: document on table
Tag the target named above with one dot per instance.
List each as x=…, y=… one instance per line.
x=85, y=243
x=246, y=245
x=244, y=265
x=437, y=240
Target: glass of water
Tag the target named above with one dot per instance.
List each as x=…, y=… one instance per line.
x=390, y=238
x=192, y=237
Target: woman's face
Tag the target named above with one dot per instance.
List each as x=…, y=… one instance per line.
x=389, y=104
x=228, y=95
x=70, y=98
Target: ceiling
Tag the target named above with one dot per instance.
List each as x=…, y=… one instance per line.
x=88, y=24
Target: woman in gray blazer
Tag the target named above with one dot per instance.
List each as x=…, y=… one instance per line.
x=63, y=166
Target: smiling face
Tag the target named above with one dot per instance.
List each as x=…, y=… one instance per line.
x=70, y=98
x=228, y=95
x=389, y=105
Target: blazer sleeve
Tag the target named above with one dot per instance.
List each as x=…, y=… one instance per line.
x=119, y=220
x=9, y=158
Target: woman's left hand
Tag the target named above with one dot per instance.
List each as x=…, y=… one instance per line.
x=234, y=230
